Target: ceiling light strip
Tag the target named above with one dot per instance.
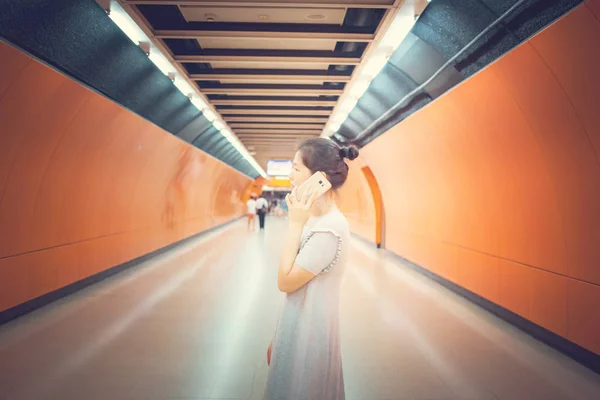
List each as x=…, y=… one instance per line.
x=397, y=26
x=125, y=18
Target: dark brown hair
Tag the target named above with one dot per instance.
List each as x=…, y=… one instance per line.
x=320, y=154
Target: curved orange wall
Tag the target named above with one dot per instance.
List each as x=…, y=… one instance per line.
x=355, y=199
x=86, y=185
x=496, y=185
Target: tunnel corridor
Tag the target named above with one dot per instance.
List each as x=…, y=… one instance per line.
x=134, y=132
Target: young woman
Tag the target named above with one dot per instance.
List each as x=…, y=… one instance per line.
x=304, y=356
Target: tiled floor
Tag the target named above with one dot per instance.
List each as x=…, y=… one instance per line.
x=194, y=323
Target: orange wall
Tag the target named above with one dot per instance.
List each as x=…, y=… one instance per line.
x=496, y=185
x=355, y=199
x=86, y=185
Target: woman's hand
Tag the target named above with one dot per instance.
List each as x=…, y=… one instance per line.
x=299, y=209
x=269, y=354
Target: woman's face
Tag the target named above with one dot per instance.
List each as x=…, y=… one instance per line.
x=300, y=172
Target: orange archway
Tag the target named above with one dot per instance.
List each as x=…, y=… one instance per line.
x=361, y=202
x=378, y=203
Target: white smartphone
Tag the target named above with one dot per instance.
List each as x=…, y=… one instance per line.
x=316, y=183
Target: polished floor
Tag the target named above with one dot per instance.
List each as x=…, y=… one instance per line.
x=195, y=322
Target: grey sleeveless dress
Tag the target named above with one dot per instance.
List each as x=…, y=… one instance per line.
x=306, y=361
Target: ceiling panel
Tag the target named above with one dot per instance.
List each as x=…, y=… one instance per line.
x=268, y=126
x=277, y=3
x=264, y=65
x=248, y=111
x=269, y=65
x=267, y=43
x=284, y=15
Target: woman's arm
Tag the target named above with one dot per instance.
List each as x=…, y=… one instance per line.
x=289, y=276
x=288, y=255
x=318, y=253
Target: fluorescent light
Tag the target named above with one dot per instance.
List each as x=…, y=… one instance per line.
x=395, y=34
x=374, y=65
x=228, y=135
x=242, y=150
x=161, y=62
x=198, y=103
x=209, y=115
x=126, y=24
x=184, y=87
x=327, y=131
x=359, y=88
x=347, y=104
x=120, y=17
x=231, y=140
x=335, y=126
x=240, y=147
x=340, y=117
x=397, y=31
x=218, y=124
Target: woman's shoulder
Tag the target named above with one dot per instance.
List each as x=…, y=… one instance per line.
x=334, y=222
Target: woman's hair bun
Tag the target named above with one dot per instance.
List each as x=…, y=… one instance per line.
x=349, y=152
